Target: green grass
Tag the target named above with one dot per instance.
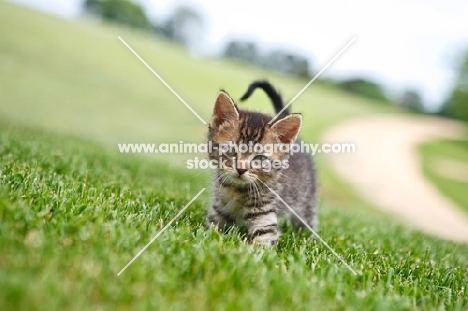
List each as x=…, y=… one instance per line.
x=434, y=151
x=73, y=214
x=73, y=211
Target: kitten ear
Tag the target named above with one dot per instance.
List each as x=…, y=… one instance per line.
x=287, y=128
x=224, y=110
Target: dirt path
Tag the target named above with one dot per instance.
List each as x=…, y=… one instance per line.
x=386, y=170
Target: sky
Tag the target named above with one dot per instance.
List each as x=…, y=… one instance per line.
x=400, y=44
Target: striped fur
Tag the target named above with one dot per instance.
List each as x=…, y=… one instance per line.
x=241, y=196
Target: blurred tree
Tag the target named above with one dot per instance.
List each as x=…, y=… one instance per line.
x=243, y=51
x=287, y=62
x=365, y=88
x=456, y=105
x=412, y=100
x=185, y=25
x=93, y=6
x=279, y=60
x=119, y=11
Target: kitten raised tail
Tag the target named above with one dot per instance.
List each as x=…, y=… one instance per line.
x=270, y=91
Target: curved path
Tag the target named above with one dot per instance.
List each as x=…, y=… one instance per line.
x=386, y=169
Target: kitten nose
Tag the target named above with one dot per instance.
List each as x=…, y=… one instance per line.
x=241, y=171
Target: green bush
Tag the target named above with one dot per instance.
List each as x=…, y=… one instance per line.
x=119, y=11
x=364, y=88
x=456, y=105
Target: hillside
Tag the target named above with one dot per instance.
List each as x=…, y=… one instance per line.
x=79, y=78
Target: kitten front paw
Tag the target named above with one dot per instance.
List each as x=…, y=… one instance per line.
x=264, y=242
x=219, y=222
x=266, y=239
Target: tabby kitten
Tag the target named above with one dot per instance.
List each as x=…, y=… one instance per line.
x=241, y=194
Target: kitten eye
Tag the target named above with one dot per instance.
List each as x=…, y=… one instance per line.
x=260, y=158
x=231, y=152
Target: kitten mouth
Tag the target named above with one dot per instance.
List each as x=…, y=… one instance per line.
x=241, y=179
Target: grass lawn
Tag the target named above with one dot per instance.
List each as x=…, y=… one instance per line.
x=74, y=212
x=433, y=153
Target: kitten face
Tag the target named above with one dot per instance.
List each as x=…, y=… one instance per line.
x=233, y=129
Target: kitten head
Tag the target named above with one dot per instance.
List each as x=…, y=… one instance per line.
x=244, y=143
